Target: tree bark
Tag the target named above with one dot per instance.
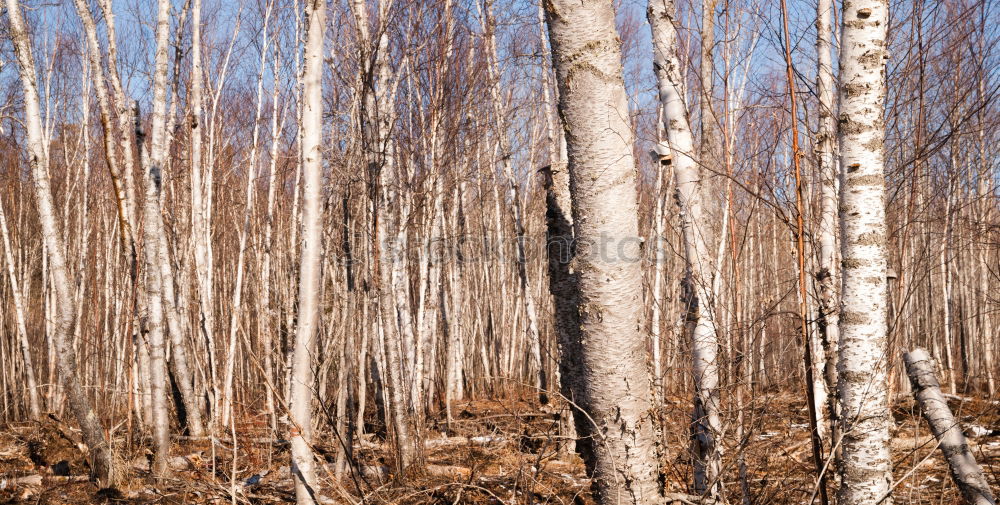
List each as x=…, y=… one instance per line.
x=155, y=163
x=201, y=212
x=390, y=237
x=613, y=390
x=310, y=270
x=827, y=271
x=34, y=404
x=696, y=231
x=966, y=473
x=863, y=365
x=90, y=426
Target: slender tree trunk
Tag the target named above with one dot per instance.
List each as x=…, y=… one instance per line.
x=19, y=314
x=516, y=208
x=695, y=228
x=613, y=390
x=201, y=210
x=310, y=270
x=827, y=271
x=264, y=300
x=101, y=462
x=863, y=363
x=251, y=179
x=155, y=163
x=390, y=245
x=814, y=386
x=104, y=103
x=711, y=140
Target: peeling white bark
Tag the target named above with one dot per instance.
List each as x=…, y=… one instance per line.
x=613, y=389
x=93, y=432
x=155, y=162
x=310, y=269
x=863, y=363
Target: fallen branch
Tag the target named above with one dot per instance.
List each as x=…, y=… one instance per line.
x=36, y=480
x=963, y=399
x=966, y=473
x=448, y=471
x=688, y=499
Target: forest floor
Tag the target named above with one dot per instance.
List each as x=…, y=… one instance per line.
x=498, y=452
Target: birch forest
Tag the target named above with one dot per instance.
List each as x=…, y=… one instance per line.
x=504, y=252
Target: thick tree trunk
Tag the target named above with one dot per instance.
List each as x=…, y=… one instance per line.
x=613, y=390
x=696, y=230
x=90, y=426
x=863, y=363
x=966, y=473
x=310, y=269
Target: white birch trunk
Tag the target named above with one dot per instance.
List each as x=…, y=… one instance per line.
x=863, y=363
x=34, y=403
x=696, y=231
x=104, y=103
x=267, y=314
x=614, y=390
x=90, y=426
x=516, y=208
x=827, y=266
x=226, y=405
x=966, y=473
x=200, y=209
x=155, y=162
x=310, y=270
x=390, y=237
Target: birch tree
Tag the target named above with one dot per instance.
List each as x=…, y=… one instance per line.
x=310, y=269
x=201, y=209
x=20, y=315
x=390, y=238
x=826, y=267
x=863, y=363
x=503, y=150
x=707, y=424
x=966, y=473
x=614, y=391
x=101, y=460
x=155, y=163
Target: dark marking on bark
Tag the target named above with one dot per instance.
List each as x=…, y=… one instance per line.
x=855, y=318
x=866, y=180
x=850, y=127
x=854, y=263
x=874, y=144
x=870, y=238
x=855, y=89
x=873, y=59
